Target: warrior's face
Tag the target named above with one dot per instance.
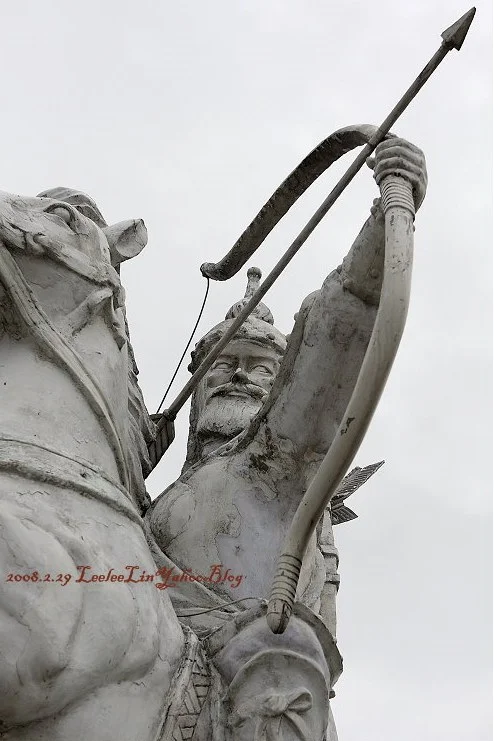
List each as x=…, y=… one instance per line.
x=234, y=389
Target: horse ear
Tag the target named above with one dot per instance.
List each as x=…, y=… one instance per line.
x=125, y=239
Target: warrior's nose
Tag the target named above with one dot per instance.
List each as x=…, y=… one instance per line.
x=240, y=376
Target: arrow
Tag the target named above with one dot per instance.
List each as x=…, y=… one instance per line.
x=398, y=208
x=453, y=38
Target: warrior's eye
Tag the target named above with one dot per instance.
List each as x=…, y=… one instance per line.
x=262, y=369
x=222, y=365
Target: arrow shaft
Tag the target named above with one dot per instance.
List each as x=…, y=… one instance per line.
x=397, y=203
x=313, y=222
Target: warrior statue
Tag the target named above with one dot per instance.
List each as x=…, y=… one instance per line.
x=261, y=421
x=150, y=621
x=122, y=618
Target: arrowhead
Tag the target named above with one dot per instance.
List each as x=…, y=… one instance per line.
x=454, y=36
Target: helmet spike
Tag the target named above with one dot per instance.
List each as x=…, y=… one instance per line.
x=261, y=311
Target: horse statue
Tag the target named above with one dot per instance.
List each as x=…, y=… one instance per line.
x=81, y=656
x=89, y=646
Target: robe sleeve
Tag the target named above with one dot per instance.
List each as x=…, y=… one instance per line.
x=325, y=352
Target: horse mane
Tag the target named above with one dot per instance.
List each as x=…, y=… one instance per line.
x=142, y=432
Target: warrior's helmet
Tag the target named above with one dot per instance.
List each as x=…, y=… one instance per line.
x=258, y=328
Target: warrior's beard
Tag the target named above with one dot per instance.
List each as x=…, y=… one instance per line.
x=227, y=416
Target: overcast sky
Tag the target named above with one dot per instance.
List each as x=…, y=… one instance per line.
x=189, y=115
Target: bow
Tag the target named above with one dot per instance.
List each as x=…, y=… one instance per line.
x=296, y=183
x=399, y=211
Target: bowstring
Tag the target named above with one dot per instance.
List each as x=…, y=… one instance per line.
x=186, y=347
x=218, y=607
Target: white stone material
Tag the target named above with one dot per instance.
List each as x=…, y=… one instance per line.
x=258, y=434
x=79, y=659
x=94, y=643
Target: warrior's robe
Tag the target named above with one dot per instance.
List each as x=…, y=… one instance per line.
x=235, y=505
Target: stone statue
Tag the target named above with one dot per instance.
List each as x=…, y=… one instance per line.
x=122, y=618
x=80, y=657
x=261, y=421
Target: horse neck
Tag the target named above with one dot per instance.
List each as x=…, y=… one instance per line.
x=64, y=363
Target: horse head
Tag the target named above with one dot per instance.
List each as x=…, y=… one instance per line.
x=60, y=286
x=62, y=216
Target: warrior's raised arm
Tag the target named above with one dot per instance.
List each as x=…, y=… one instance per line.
x=333, y=327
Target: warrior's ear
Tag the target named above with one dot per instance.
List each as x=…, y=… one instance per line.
x=125, y=239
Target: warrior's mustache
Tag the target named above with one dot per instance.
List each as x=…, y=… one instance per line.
x=245, y=388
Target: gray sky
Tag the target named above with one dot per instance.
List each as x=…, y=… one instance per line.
x=189, y=114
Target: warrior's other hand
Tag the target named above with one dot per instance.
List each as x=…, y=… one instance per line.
x=396, y=156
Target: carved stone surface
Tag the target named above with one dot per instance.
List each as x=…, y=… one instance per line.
x=148, y=621
x=79, y=658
